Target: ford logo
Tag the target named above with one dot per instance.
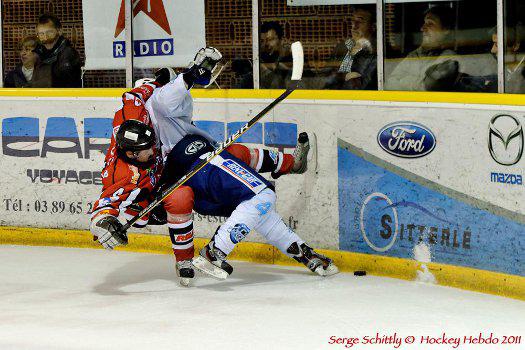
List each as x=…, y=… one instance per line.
x=406, y=139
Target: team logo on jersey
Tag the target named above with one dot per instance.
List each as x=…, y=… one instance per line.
x=136, y=174
x=238, y=233
x=194, y=147
x=237, y=170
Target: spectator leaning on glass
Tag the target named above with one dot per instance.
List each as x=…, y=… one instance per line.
x=30, y=72
x=57, y=51
x=276, y=59
x=358, y=57
x=438, y=39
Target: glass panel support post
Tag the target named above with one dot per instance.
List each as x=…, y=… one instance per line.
x=380, y=45
x=255, y=43
x=501, y=46
x=128, y=16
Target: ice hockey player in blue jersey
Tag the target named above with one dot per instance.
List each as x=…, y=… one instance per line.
x=228, y=187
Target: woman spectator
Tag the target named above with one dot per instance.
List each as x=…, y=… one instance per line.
x=30, y=72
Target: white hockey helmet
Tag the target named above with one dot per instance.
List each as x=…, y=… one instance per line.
x=143, y=81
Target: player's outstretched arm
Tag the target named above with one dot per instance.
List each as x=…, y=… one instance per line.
x=202, y=68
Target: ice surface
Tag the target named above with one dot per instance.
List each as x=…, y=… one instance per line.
x=64, y=298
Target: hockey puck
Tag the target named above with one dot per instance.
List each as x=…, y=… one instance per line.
x=360, y=273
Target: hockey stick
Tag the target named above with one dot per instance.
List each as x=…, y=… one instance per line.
x=297, y=72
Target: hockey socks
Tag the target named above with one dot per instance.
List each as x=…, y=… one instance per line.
x=263, y=160
x=181, y=235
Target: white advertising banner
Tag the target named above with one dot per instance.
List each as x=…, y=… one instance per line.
x=165, y=33
x=383, y=177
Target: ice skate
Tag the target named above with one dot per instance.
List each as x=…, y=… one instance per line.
x=212, y=261
x=185, y=272
x=315, y=262
x=300, y=154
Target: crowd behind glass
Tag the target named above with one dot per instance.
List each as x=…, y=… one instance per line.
x=437, y=46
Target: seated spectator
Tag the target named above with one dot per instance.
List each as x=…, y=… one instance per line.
x=435, y=47
x=445, y=76
x=358, y=57
x=30, y=73
x=514, y=73
x=57, y=51
x=276, y=59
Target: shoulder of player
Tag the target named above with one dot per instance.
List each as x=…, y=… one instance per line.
x=121, y=172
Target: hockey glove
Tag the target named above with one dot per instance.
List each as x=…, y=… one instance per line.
x=202, y=68
x=107, y=230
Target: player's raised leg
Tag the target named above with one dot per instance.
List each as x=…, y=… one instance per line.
x=272, y=161
x=259, y=213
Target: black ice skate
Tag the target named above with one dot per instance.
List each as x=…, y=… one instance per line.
x=300, y=163
x=185, y=271
x=315, y=262
x=212, y=261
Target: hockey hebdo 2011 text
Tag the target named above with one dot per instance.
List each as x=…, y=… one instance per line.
x=397, y=340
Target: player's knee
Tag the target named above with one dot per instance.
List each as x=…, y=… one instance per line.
x=179, y=204
x=265, y=201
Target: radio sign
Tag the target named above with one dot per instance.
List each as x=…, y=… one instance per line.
x=143, y=48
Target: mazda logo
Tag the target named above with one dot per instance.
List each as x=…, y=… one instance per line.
x=508, y=128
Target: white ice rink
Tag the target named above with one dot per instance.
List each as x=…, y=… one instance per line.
x=64, y=298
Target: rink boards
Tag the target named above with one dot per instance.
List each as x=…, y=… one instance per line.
x=415, y=189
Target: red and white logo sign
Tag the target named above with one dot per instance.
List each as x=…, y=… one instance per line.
x=165, y=33
x=154, y=9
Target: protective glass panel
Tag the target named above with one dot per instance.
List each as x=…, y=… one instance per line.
x=440, y=46
x=188, y=27
x=338, y=41
x=515, y=46
x=52, y=52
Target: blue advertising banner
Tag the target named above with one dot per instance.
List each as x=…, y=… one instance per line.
x=385, y=210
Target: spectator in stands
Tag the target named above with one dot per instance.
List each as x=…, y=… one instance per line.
x=276, y=58
x=357, y=55
x=446, y=76
x=436, y=47
x=56, y=50
x=30, y=72
x=514, y=69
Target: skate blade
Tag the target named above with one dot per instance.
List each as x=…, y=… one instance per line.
x=329, y=271
x=184, y=281
x=208, y=268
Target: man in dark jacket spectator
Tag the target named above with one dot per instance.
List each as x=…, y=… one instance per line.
x=276, y=58
x=30, y=72
x=57, y=51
